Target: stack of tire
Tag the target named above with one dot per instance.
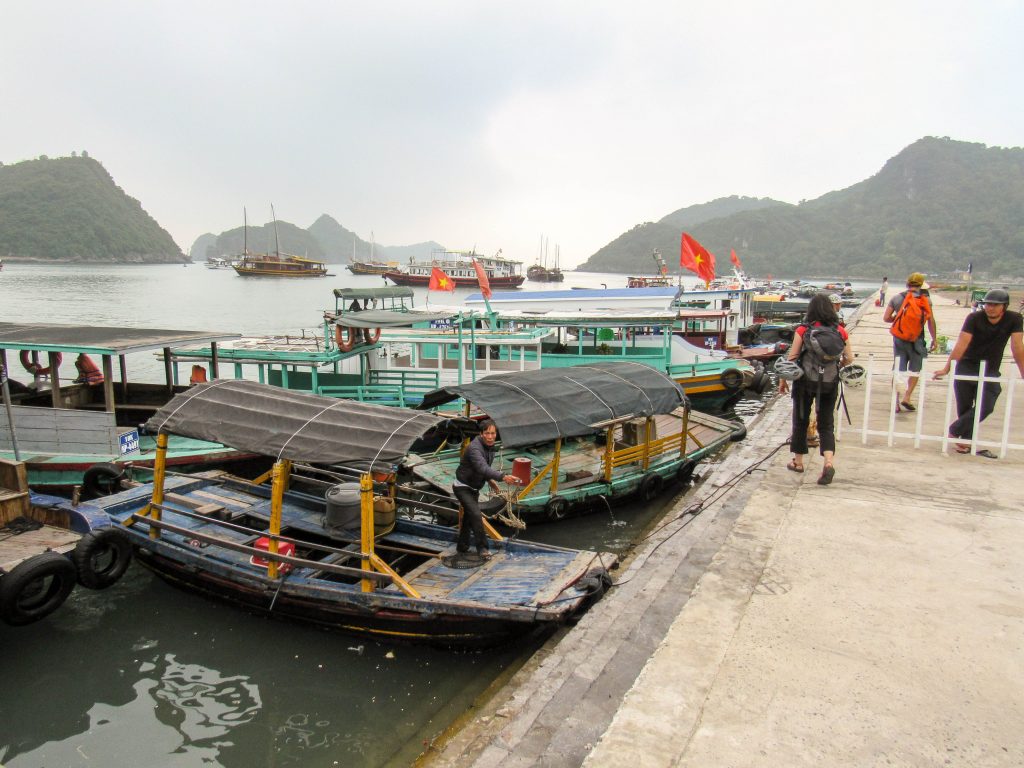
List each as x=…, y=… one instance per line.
x=38, y=586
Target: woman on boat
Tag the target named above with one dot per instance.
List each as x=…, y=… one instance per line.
x=819, y=394
x=475, y=470
x=88, y=373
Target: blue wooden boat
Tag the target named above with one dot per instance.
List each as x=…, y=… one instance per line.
x=306, y=549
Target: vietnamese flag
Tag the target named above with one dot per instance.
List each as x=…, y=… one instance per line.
x=481, y=277
x=439, y=281
x=735, y=259
x=696, y=258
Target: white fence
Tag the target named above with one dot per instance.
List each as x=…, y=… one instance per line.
x=931, y=397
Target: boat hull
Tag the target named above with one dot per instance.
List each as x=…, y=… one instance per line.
x=501, y=281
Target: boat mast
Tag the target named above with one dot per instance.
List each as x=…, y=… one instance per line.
x=245, y=232
x=277, y=239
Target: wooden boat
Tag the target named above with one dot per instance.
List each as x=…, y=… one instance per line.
x=296, y=551
x=62, y=428
x=371, y=267
x=458, y=265
x=47, y=545
x=538, y=273
x=580, y=435
x=279, y=265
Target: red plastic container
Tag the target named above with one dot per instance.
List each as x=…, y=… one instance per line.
x=283, y=548
x=523, y=470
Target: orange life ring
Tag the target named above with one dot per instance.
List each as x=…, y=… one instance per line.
x=34, y=368
x=344, y=343
x=372, y=337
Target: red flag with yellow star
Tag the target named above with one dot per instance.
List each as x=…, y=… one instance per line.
x=696, y=258
x=439, y=281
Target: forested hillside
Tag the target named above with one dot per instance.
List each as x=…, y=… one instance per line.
x=70, y=209
x=936, y=206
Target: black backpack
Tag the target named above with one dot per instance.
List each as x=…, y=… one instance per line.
x=822, y=350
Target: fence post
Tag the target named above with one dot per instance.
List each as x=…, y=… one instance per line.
x=867, y=400
x=977, y=407
x=921, y=399
x=1008, y=399
x=950, y=397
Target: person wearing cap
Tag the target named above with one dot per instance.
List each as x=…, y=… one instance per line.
x=909, y=355
x=983, y=338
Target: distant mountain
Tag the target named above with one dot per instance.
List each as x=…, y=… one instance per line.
x=325, y=240
x=69, y=209
x=717, y=209
x=934, y=207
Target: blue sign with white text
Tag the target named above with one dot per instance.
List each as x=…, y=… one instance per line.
x=129, y=441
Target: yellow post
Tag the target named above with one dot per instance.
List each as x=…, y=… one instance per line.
x=554, y=465
x=366, y=515
x=280, y=473
x=647, y=444
x=609, y=449
x=682, y=436
x=159, y=473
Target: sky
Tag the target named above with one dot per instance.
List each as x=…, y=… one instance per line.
x=496, y=125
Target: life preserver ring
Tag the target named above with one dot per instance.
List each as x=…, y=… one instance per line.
x=372, y=337
x=35, y=588
x=345, y=341
x=101, y=557
x=556, y=508
x=732, y=379
x=34, y=368
x=101, y=480
x=651, y=486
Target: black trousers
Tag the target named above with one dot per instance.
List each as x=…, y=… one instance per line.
x=472, y=519
x=966, y=393
x=806, y=396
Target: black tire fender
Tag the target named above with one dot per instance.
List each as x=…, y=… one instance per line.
x=102, y=480
x=732, y=379
x=35, y=588
x=651, y=486
x=557, y=507
x=101, y=557
x=684, y=472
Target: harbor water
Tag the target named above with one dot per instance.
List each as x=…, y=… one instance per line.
x=144, y=674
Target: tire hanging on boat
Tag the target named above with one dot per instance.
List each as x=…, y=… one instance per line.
x=556, y=508
x=684, y=472
x=36, y=588
x=34, y=368
x=101, y=480
x=101, y=557
x=732, y=379
x=651, y=486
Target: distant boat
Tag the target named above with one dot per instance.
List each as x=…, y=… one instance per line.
x=458, y=265
x=540, y=272
x=661, y=280
x=278, y=264
x=371, y=267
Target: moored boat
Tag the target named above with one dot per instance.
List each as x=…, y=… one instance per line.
x=306, y=549
x=579, y=435
x=458, y=266
x=279, y=265
x=371, y=267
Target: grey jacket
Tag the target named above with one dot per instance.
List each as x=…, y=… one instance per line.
x=475, y=467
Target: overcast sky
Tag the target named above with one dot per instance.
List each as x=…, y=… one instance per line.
x=494, y=124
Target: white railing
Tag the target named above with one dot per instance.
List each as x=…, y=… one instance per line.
x=882, y=373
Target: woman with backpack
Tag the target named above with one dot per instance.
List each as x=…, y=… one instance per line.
x=821, y=346
x=910, y=312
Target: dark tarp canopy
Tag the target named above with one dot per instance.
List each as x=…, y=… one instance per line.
x=537, y=406
x=271, y=421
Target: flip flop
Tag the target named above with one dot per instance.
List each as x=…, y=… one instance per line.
x=962, y=448
x=794, y=467
x=986, y=453
x=826, y=475
x=908, y=407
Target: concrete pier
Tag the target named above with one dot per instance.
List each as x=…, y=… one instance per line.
x=776, y=622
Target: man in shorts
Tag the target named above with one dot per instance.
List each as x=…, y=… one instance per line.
x=910, y=355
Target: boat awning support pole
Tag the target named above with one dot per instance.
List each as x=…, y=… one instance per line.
x=685, y=432
x=58, y=402
x=214, y=360
x=159, y=473
x=609, y=449
x=5, y=390
x=370, y=561
x=123, y=369
x=108, y=383
x=554, y=466
x=168, y=374
x=647, y=443
x=280, y=473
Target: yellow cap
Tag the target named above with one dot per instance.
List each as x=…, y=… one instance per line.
x=916, y=278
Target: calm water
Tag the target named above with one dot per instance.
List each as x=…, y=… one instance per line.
x=146, y=675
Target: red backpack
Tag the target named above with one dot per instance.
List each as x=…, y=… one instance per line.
x=908, y=323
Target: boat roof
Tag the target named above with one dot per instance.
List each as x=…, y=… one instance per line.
x=600, y=318
x=388, y=318
x=573, y=294
x=100, y=340
x=286, y=424
x=537, y=406
x=390, y=292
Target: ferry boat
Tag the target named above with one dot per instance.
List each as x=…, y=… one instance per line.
x=458, y=265
x=371, y=267
x=279, y=265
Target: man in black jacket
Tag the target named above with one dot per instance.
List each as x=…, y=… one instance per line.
x=475, y=470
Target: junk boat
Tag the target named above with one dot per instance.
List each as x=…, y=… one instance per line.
x=279, y=265
x=458, y=265
x=335, y=555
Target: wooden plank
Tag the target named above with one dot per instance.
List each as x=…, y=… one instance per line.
x=16, y=549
